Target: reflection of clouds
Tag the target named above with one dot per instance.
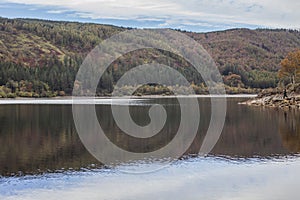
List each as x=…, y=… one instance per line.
x=197, y=179
x=267, y=13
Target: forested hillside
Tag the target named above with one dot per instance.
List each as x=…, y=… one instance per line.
x=254, y=55
x=40, y=58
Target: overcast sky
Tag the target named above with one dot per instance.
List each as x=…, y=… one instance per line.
x=194, y=15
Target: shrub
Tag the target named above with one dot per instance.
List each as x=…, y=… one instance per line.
x=11, y=95
x=61, y=93
x=25, y=94
x=2, y=94
x=36, y=95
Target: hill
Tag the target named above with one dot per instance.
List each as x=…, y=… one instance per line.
x=41, y=58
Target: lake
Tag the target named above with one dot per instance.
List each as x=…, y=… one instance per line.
x=42, y=156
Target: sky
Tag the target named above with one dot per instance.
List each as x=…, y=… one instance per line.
x=190, y=15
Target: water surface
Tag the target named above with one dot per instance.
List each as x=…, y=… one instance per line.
x=257, y=146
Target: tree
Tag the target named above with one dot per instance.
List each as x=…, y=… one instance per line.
x=13, y=85
x=290, y=66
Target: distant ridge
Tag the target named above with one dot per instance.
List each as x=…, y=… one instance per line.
x=246, y=58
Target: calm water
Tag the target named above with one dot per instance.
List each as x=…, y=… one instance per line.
x=255, y=144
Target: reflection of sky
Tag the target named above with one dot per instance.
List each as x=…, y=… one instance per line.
x=193, y=15
x=207, y=178
x=79, y=100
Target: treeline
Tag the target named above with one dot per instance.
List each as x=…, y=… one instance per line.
x=41, y=58
x=237, y=76
x=58, y=77
x=55, y=78
x=75, y=37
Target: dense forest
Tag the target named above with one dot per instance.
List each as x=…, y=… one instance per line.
x=40, y=58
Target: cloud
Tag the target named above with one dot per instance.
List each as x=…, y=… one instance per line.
x=57, y=11
x=259, y=13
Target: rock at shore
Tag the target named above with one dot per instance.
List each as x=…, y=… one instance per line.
x=276, y=101
x=274, y=97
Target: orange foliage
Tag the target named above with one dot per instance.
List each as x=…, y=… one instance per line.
x=290, y=66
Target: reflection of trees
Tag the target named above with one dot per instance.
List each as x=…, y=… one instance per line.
x=140, y=114
x=43, y=137
x=289, y=129
x=249, y=131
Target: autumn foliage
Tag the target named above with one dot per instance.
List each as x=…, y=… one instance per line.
x=290, y=67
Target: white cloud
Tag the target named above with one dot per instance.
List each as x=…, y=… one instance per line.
x=57, y=11
x=267, y=13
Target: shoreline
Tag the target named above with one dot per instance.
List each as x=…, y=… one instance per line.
x=275, y=101
x=137, y=97
x=67, y=100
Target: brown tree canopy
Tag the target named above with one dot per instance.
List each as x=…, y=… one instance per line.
x=290, y=66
